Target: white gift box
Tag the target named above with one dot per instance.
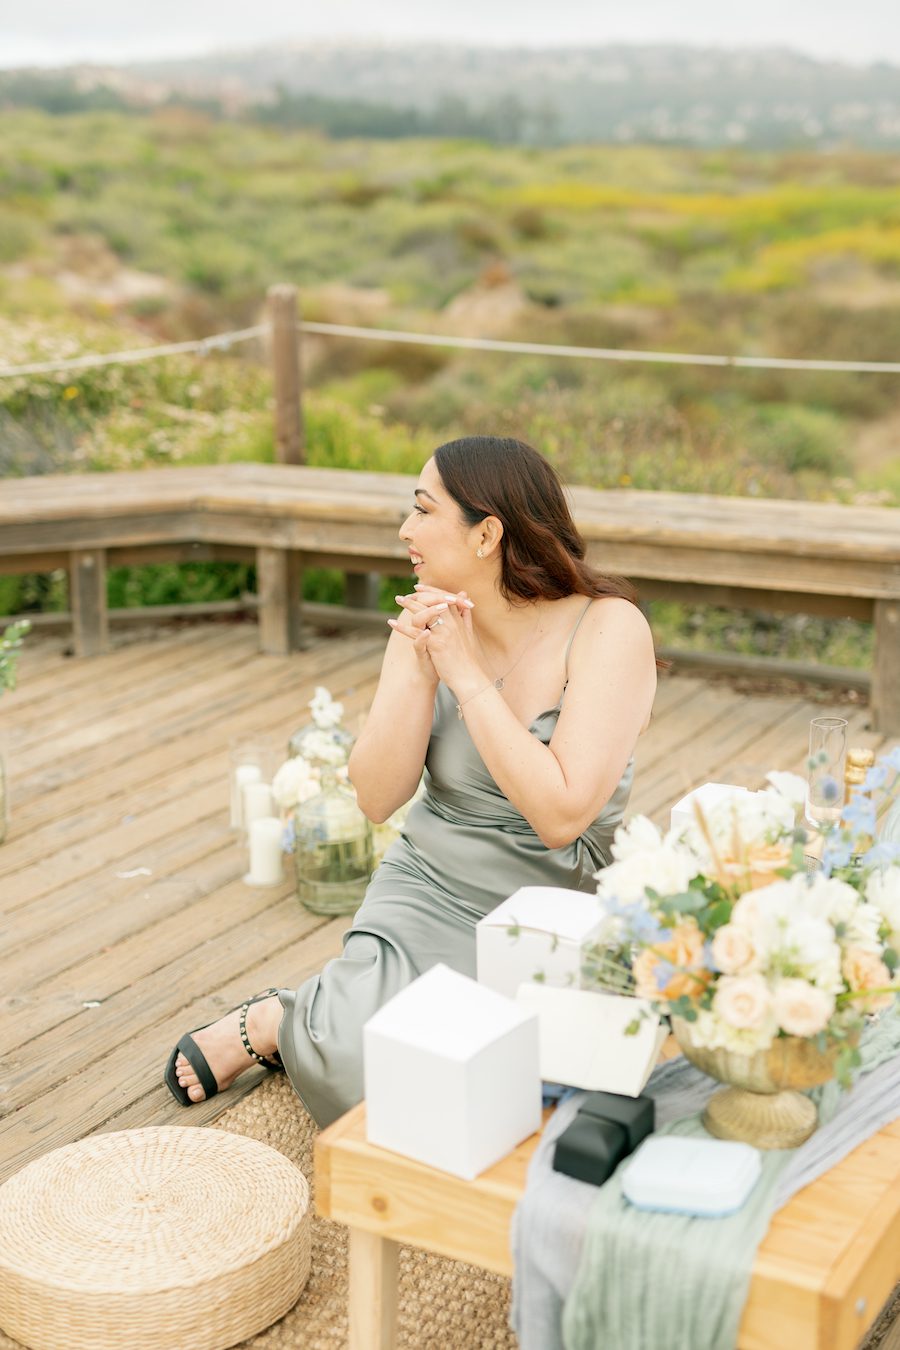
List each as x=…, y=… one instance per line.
x=602, y=1042
x=451, y=1074
x=536, y=934
x=708, y=795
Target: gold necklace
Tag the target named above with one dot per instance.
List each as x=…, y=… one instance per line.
x=499, y=680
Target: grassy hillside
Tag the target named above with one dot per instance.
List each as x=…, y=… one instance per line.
x=118, y=230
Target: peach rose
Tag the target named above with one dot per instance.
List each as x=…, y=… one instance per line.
x=759, y=866
x=684, y=951
x=801, y=1008
x=732, y=949
x=863, y=970
x=743, y=1001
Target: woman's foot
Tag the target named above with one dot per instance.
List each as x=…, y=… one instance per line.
x=223, y=1049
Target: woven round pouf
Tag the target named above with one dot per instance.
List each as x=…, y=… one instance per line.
x=175, y=1239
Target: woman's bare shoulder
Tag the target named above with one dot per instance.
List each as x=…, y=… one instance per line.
x=614, y=616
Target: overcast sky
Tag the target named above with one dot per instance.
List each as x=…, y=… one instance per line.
x=52, y=32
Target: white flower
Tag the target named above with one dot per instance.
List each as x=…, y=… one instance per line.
x=325, y=712
x=883, y=893
x=844, y=908
x=743, y=1001
x=320, y=746
x=801, y=1009
x=789, y=935
x=712, y=1033
x=746, y=819
x=663, y=865
x=640, y=835
x=788, y=787
x=294, y=782
x=732, y=948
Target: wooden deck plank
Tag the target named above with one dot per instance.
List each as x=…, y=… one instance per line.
x=120, y=765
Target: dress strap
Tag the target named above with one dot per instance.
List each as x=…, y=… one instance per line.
x=574, y=631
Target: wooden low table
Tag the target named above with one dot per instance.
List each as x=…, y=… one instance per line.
x=827, y=1265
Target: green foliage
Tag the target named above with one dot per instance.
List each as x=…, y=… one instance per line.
x=11, y=640
x=625, y=246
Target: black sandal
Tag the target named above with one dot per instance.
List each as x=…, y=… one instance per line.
x=188, y=1047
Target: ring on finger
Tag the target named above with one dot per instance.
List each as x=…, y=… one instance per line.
x=435, y=624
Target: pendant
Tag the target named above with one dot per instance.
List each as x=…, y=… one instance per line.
x=498, y=684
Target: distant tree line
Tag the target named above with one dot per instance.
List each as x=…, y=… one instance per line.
x=504, y=121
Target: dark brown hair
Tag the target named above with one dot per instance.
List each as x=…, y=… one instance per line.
x=542, y=553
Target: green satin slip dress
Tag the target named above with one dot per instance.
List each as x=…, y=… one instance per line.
x=463, y=850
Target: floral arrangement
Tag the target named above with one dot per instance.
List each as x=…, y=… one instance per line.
x=322, y=751
x=723, y=924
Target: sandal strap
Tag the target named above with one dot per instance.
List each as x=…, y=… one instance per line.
x=265, y=1060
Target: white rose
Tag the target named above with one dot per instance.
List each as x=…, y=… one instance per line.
x=293, y=783
x=732, y=948
x=743, y=1001
x=640, y=835
x=800, y=1008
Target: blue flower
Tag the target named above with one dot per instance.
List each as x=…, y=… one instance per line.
x=859, y=815
x=876, y=776
x=892, y=759
x=829, y=788
x=837, y=853
x=881, y=855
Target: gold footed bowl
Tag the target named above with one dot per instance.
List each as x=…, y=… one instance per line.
x=764, y=1104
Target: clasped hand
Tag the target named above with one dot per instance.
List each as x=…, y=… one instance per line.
x=439, y=624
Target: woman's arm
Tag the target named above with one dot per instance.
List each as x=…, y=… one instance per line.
x=561, y=788
x=387, y=760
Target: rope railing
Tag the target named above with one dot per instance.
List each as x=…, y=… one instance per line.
x=134, y=356
x=222, y=341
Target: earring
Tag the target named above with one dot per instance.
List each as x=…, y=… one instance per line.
x=479, y=553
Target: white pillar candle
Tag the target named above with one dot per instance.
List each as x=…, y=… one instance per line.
x=265, y=852
x=243, y=774
x=257, y=802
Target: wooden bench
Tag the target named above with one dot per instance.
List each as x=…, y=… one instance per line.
x=812, y=557
x=827, y=1264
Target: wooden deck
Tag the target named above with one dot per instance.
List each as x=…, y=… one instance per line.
x=118, y=765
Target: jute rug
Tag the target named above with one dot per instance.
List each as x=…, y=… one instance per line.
x=444, y=1305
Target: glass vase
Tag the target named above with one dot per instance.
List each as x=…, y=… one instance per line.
x=333, y=859
x=308, y=743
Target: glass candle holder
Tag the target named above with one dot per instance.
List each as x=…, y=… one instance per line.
x=825, y=771
x=251, y=760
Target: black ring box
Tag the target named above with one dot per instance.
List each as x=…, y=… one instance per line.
x=605, y=1130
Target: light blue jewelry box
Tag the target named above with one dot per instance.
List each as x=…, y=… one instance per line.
x=705, y=1177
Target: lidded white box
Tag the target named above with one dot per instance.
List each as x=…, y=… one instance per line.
x=538, y=934
x=452, y=1073
x=708, y=795
x=681, y=1175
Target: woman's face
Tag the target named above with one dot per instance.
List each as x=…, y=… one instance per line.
x=441, y=545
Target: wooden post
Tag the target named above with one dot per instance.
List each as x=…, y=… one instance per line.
x=284, y=316
x=279, y=578
x=362, y=590
x=87, y=601
x=373, y=1291
x=886, y=668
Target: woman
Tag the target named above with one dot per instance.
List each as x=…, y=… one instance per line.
x=520, y=679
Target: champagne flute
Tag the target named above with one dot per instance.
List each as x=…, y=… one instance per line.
x=825, y=771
